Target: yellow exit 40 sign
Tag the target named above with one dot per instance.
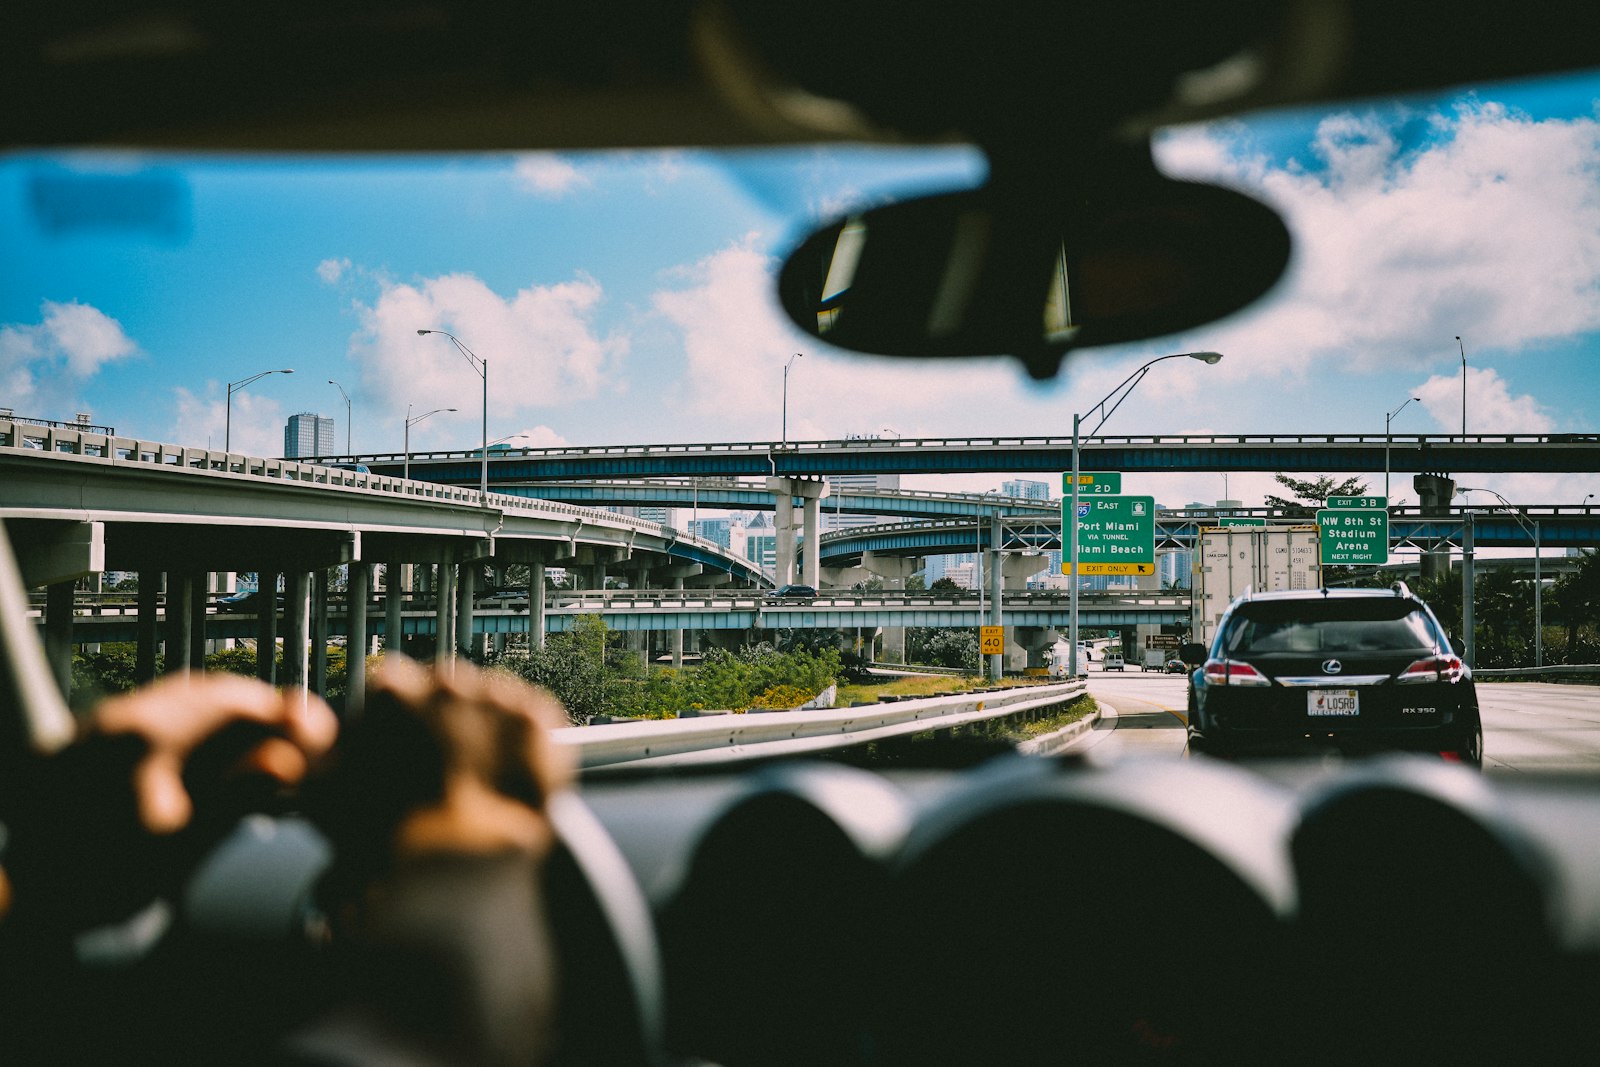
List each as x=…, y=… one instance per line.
x=991, y=640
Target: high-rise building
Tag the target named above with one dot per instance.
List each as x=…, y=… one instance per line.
x=717, y=530
x=664, y=516
x=835, y=520
x=308, y=434
x=1024, y=489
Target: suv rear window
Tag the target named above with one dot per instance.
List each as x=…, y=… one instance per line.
x=1329, y=626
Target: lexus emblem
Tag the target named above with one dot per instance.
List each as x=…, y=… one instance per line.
x=1331, y=666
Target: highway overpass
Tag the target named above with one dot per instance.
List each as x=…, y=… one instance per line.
x=1042, y=456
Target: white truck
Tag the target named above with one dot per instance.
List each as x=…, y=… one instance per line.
x=1232, y=560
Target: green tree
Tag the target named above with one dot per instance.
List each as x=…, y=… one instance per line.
x=1307, y=496
x=947, y=586
x=955, y=647
x=1574, y=604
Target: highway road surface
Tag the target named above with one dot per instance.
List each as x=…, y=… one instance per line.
x=1529, y=727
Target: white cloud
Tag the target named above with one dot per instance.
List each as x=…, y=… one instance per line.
x=1489, y=404
x=549, y=175
x=331, y=270
x=257, y=423
x=737, y=341
x=540, y=345
x=537, y=437
x=1491, y=231
x=45, y=363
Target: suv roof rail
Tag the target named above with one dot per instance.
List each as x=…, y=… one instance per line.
x=1401, y=588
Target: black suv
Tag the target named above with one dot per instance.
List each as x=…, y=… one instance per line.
x=1361, y=669
x=793, y=592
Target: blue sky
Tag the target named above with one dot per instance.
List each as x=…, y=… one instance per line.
x=626, y=297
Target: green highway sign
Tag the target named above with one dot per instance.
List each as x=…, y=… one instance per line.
x=1240, y=520
x=1360, y=503
x=1093, y=483
x=1116, y=535
x=1354, y=537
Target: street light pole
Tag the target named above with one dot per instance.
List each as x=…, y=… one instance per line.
x=1128, y=385
x=347, y=417
x=1388, y=440
x=1532, y=526
x=409, y=423
x=1463, y=385
x=480, y=365
x=233, y=387
x=786, y=367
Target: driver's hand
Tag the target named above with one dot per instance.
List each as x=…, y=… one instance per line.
x=156, y=776
x=448, y=758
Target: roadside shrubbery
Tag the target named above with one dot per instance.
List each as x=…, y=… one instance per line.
x=591, y=675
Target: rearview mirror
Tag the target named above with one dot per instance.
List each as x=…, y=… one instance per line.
x=1032, y=266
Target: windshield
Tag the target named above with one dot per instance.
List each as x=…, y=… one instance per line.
x=388, y=312
x=1353, y=627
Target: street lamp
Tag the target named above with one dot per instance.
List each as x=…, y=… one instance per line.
x=1389, y=440
x=891, y=429
x=786, y=367
x=1463, y=384
x=346, y=396
x=1538, y=578
x=411, y=422
x=233, y=387
x=480, y=365
x=1128, y=385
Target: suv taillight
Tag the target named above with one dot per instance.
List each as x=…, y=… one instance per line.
x=1232, y=672
x=1433, y=669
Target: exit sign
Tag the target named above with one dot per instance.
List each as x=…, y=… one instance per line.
x=1360, y=503
x=1094, y=483
x=1353, y=537
x=1116, y=535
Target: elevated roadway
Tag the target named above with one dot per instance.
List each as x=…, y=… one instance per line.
x=1560, y=526
x=1044, y=456
x=113, y=618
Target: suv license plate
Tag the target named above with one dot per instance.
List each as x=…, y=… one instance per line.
x=1331, y=702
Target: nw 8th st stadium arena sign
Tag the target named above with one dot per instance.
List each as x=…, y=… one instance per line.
x=1354, y=532
x=1116, y=535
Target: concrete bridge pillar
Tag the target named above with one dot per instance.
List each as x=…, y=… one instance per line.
x=811, y=493
x=317, y=676
x=1434, y=494
x=466, y=595
x=180, y=620
x=1028, y=646
x=58, y=633
x=357, y=590
x=267, y=626
x=1017, y=569
x=444, y=614
x=894, y=570
x=144, y=656
x=536, y=605
x=393, y=601
x=297, y=597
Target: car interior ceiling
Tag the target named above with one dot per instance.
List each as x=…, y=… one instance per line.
x=1399, y=911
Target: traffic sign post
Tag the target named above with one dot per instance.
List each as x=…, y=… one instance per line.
x=1116, y=535
x=1354, y=537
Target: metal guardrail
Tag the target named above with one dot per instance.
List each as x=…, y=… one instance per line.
x=1554, y=670
x=730, y=738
